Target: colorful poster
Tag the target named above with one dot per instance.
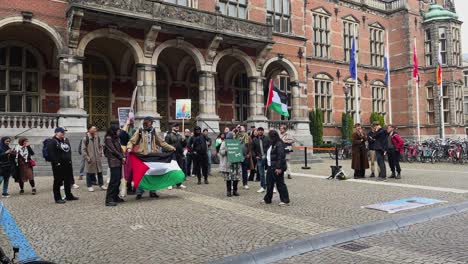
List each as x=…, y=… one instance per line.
x=183, y=109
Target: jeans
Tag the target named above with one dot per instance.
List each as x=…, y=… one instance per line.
x=394, y=160
x=114, y=184
x=5, y=180
x=90, y=177
x=261, y=172
x=381, y=162
x=273, y=178
x=209, y=161
x=82, y=165
x=245, y=166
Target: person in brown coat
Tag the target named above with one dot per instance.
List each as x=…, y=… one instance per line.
x=115, y=158
x=24, y=163
x=359, y=163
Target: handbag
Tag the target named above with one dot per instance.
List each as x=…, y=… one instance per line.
x=33, y=163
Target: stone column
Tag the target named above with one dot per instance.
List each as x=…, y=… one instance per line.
x=146, y=100
x=72, y=114
x=208, y=118
x=257, y=105
x=300, y=114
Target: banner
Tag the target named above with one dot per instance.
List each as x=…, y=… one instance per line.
x=234, y=150
x=123, y=113
x=183, y=109
x=403, y=204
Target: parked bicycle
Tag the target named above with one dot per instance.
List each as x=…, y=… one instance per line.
x=344, y=151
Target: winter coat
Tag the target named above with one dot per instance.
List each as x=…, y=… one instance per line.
x=92, y=154
x=177, y=141
x=359, y=151
x=288, y=140
x=25, y=169
x=398, y=142
x=224, y=165
x=197, y=145
x=59, y=151
x=6, y=161
x=278, y=156
x=380, y=138
x=256, y=150
x=140, y=139
x=113, y=151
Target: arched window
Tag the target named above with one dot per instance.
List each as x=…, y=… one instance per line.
x=323, y=96
x=188, y=3
x=19, y=80
x=242, y=97
x=378, y=97
x=234, y=8
x=280, y=13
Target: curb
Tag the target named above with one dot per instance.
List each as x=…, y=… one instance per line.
x=296, y=247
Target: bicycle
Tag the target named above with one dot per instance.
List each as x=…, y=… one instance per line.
x=344, y=152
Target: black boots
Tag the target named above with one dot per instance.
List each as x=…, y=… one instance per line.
x=372, y=175
x=393, y=176
x=228, y=188
x=398, y=176
x=234, y=188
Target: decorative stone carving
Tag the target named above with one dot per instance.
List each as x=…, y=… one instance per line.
x=262, y=56
x=212, y=49
x=74, y=25
x=150, y=40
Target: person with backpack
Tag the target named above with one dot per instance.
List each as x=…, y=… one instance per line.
x=91, y=150
x=145, y=141
x=7, y=165
x=115, y=159
x=174, y=139
x=198, y=148
x=395, y=148
x=59, y=155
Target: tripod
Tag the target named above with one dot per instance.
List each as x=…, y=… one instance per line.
x=337, y=171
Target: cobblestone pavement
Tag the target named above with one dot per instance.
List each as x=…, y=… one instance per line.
x=442, y=241
x=198, y=224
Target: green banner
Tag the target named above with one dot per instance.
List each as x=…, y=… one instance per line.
x=234, y=150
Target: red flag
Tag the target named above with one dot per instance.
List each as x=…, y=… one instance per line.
x=270, y=95
x=439, y=67
x=415, y=62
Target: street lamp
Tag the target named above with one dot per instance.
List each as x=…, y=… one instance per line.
x=346, y=90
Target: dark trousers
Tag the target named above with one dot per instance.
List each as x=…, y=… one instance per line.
x=253, y=171
x=359, y=173
x=92, y=176
x=200, y=165
x=180, y=162
x=273, y=178
x=188, y=165
x=381, y=163
x=231, y=186
x=114, y=184
x=394, y=160
x=21, y=184
x=63, y=175
x=245, y=165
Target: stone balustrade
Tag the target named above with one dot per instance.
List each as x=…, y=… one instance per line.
x=28, y=121
x=381, y=5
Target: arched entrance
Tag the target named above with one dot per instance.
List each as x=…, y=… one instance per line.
x=96, y=86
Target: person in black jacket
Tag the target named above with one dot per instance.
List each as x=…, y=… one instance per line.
x=115, y=159
x=176, y=140
x=7, y=158
x=199, y=150
x=260, y=146
x=380, y=146
x=372, y=154
x=59, y=151
x=276, y=160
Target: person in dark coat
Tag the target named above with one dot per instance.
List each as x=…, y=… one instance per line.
x=359, y=163
x=380, y=147
x=24, y=165
x=197, y=146
x=7, y=158
x=115, y=159
x=175, y=139
x=276, y=161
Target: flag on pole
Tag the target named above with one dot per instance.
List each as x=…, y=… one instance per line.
x=277, y=100
x=352, y=61
x=155, y=171
x=439, y=67
x=387, y=69
x=415, y=63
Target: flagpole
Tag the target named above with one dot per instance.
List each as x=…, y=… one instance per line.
x=441, y=88
x=390, y=117
x=356, y=90
x=418, y=124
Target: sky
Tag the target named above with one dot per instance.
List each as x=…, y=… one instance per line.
x=462, y=7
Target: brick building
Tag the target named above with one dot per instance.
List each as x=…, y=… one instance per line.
x=77, y=61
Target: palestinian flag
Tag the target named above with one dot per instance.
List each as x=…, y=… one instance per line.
x=277, y=100
x=155, y=171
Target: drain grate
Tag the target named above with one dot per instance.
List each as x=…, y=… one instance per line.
x=353, y=246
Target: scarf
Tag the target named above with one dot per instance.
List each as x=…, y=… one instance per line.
x=23, y=152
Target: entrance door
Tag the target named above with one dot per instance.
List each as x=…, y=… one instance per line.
x=96, y=92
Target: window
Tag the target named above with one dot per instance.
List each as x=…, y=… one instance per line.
x=378, y=97
x=285, y=87
x=280, y=13
x=456, y=47
x=459, y=105
x=242, y=100
x=234, y=8
x=465, y=75
x=19, y=80
x=188, y=3
x=430, y=105
x=446, y=99
x=323, y=97
x=352, y=97
x=350, y=31
x=377, y=46
x=427, y=47
x=465, y=103
x=443, y=44
x=321, y=33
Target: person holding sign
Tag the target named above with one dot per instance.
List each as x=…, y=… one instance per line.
x=231, y=171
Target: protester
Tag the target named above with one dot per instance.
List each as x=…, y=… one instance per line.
x=188, y=155
x=92, y=153
x=380, y=146
x=226, y=130
x=230, y=171
x=276, y=161
x=197, y=146
x=145, y=141
x=208, y=144
x=59, y=154
x=260, y=146
x=372, y=154
x=221, y=137
x=246, y=151
x=82, y=161
x=25, y=164
x=7, y=158
x=174, y=139
x=288, y=140
x=125, y=133
x=359, y=161
x=395, y=147
x=115, y=159
x=253, y=160
x=251, y=132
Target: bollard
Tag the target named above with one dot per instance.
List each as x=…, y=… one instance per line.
x=335, y=169
x=305, y=160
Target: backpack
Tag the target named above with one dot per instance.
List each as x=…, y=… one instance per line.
x=79, y=147
x=45, y=151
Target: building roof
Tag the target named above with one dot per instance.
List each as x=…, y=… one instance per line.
x=437, y=12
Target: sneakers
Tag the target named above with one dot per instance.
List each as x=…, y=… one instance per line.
x=80, y=178
x=372, y=175
x=103, y=187
x=275, y=190
x=75, y=186
x=90, y=189
x=229, y=194
x=34, y=191
x=138, y=197
x=169, y=188
x=62, y=188
x=206, y=182
x=283, y=204
x=73, y=198
x=261, y=190
x=381, y=179
x=246, y=187
x=398, y=177
x=182, y=187
x=5, y=195
x=60, y=202
x=154, y=195
x=111, y=204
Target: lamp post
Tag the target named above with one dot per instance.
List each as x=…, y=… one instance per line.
x=346, y=90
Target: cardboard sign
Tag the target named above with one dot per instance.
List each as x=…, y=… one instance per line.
x=123, y=115
x=234, y=150
x=183, y=109
x=403, y=204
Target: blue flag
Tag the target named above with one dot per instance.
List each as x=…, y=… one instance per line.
x=387, y=70
x=352, y=61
